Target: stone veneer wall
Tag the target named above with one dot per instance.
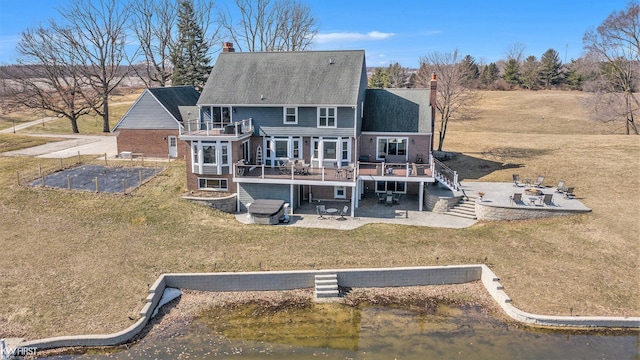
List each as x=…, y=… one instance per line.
x=440, y=204
x=287, y=280
x=491, y=212
x=227, y=204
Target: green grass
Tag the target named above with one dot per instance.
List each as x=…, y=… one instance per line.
x=76, y=262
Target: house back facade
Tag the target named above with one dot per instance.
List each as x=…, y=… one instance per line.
x=303, y=127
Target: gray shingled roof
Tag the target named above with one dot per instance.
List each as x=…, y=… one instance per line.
x=174, y=96
x=281, y=78
x=397, y=110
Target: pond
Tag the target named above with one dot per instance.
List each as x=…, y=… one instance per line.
x=335, y=331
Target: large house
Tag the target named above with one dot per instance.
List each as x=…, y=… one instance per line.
x=153, y=123
x=302, y=127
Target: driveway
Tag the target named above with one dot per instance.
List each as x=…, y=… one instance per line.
x=76, y=143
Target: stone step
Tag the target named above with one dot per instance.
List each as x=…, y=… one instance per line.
x=327, y=282
x=326, y=293
x=467, y=216
x=326, y=276
x=326, y=286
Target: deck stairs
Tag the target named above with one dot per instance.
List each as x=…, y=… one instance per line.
x=465, y=208
x=326, y=287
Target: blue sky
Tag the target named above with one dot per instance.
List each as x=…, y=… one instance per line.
x=404, y=31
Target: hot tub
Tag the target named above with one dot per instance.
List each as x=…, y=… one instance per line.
x=266, y=211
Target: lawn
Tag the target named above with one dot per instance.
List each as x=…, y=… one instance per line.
x=76, y=262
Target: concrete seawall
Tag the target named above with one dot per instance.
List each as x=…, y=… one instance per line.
x=288, y=280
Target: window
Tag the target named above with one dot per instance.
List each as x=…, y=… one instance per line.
x=395, y=186
x=213, y=184
x=221, y=114
x=327, y=117
x=246, y=152
x=329, y=150
x=291, y=115
x=340, y=192
x=209, y=153
x=391, y=147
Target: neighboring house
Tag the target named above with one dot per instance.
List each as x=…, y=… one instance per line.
x=302, y=126
x=152, y=125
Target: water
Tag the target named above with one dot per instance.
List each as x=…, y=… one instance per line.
x=334, y=331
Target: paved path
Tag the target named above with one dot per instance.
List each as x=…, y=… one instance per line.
x=76, y=143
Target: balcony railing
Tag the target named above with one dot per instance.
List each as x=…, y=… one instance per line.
x=209, y=128
x=445, y=175
x=293, y=171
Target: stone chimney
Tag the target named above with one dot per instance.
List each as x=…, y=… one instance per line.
x=228, y=47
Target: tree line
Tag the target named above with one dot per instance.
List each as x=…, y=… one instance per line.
x=70, y=67
x=609, y=71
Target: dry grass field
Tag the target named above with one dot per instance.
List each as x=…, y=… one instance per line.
x=75, y=262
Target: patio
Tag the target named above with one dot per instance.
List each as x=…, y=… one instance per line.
x=370, y=211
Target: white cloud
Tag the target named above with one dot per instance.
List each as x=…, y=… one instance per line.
x=351, y=36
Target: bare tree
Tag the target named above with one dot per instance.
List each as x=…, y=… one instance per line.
x=99, y=31
x=49, y=77
x=153, y=22
x=266, y=25
x=454, y=99
x=615, y=47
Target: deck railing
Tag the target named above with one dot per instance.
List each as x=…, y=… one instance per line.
x=291, y=171
x=445, y=175
x=210, y=128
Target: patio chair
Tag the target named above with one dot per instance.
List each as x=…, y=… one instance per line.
x=240, y=167
x=548, y=200
x=568, y=193
x=516, y=180
x=538, y=182
x=345, y=211
x=560, y=188
x=516, y=198
x=321, y=210
x=283, y=168
x=389, y=200
x=381, y=197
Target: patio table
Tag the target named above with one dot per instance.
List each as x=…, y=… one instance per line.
x=332, y=211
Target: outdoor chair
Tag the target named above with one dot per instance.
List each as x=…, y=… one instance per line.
x=548, y=200
x=345, y=211
x=560, y=188
x=283, y=168
x=381, y=197
x=516, y=198
x=568, y=193
x=538, y=182
x=516, y=180
x=389, y=200
x=321, y=211
x=240, y=166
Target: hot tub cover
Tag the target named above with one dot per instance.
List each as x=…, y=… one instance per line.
x=265, y=207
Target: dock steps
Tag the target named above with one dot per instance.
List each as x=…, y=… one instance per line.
x=326, y=286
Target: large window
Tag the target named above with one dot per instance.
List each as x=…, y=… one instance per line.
x=390, y=146
x=395, y=186
x=327, y=117
x=209, y=153
x=282, y=149
x=213, y=184
x=291, y=115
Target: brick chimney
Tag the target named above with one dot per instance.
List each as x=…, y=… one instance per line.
x=228, y=47
x=433, y=86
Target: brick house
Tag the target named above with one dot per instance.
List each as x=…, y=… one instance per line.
x=302, y=126
x=152, y=125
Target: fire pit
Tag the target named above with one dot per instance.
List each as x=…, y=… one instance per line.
x=533, y=192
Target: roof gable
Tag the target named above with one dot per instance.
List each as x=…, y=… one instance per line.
x=397, y=110
x=158, y=108
x=281, y=78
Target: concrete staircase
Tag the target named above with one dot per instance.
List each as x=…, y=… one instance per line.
x=326, y=287
x=465, y=208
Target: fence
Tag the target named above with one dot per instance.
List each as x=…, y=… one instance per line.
x=121, y=175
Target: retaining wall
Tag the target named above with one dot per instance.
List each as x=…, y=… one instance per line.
x=288, y=280
x=227, y=204
x=492, y=212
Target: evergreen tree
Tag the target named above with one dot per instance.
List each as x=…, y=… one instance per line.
x=512, y=72
x=469, y=70
x=397, y=76
x=189, y=54
x=490, y=74
x=379, y=79
x=550, y=66
x=530, y=77
x=574, y=79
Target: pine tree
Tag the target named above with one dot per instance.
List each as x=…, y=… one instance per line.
x=189, y=55
x=469, y=70
x=490, y=74
x=397, y=76
x=512, y=72
x=574, y=79
x=530, y=77
x=379, y=79
x=550, y=66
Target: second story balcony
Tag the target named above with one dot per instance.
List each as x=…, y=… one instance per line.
x=292, y=172
x=206, y=129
